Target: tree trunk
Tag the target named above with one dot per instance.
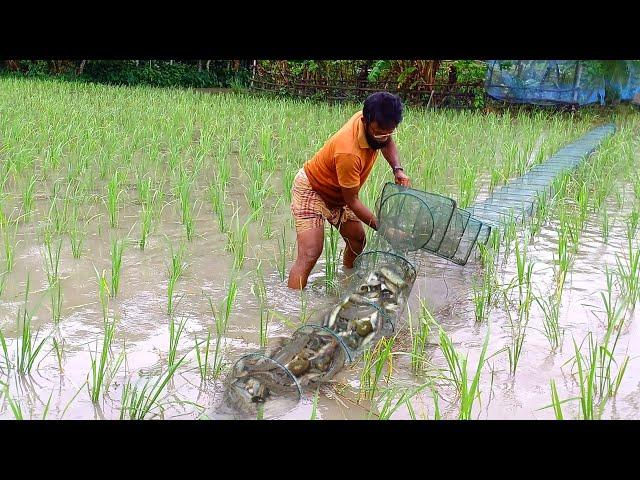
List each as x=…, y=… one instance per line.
x=199, y=65
x=81, y=67
x=208, y=63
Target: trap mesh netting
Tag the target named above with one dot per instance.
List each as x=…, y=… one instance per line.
x=270, y=382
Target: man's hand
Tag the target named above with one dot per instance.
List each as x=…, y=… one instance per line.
x=402, y=178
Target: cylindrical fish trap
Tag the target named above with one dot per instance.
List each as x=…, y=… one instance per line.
x=260, y=386
x=359, y=322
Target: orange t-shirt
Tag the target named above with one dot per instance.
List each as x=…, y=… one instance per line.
x=345, y=160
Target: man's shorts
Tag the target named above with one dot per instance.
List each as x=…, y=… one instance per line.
x=309, y=210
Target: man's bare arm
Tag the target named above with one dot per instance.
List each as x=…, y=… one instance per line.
x=390, y=153
x=359, y=208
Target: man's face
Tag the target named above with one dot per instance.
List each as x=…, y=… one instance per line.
x=377, y=136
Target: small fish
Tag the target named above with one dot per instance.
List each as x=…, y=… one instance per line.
x=358, y=299
x=334, y=315
x=392, y=277
x=363, y=327
x=298, y=365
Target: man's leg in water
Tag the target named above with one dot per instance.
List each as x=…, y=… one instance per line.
x=352, y=232
x=310, y=243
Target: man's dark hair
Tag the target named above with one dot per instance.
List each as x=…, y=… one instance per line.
x=383, y=108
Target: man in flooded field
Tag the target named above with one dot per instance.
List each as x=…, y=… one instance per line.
x=327, y=186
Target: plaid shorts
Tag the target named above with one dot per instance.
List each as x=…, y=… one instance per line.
x=309, y=210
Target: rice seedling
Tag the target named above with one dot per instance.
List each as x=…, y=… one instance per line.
x=137, y=402
x=175, y=332
x=100, y=362
x=203, y=357
x=314, y=405
x=281, y=260
x=175, y=270
x=237, y=238
x=146, y=222
x=117, y=249
x=77, y=235
x=16, y=409
x=259, y=289
x=605, y=230
x=331, y=255
x=184, y=187
x=28, y=197
x=27, y=346
x=113, y=198
x=9, y=234
x=374, y=361
x=628, y=271
x=420, y=337
x=469, y=393
x=103, y=293
x=406, y=394
x=550, y=307
x=217, y=197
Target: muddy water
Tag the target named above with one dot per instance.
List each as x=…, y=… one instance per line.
x=143, y=324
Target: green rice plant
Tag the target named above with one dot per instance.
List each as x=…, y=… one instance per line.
x=3, y=281
x=583, y=205
x=229, y=301
x=146, y=222
x=258, y=189
x=613, y=311
x=556, y=403
x=203, y=357
x=58, y=347
x=452, y=359
x=632, y=222
x=406, y=394
x=260, y=290
x=16, y=409
x=103, y=293
x=419, y=338
x=176, y=268
x=99, y=362
x=374, y=362
x=541, y=214
x=217, y=197
x=589, y=407
x=628, y=271
x=331, y=255
x=281, y=260
x=28, y=347
x=237, y=238
x=117, y=249
x=77, y=235
x=29, y=196
x=137, y=401
x=113, y=198
x=221, y=325
x=314, y=405
x=467, y=185
x=518, y=332
x=9, y=234
x=144, y=191
x=605, y=225
x=469, y=393
x=175, y=332
x=550, y=307
x=267, y=150
x=184, y=187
